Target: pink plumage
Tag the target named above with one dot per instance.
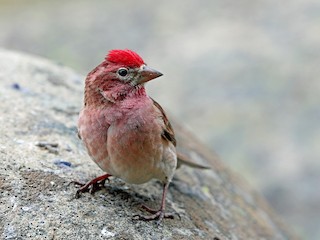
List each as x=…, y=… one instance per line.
x=125, y=131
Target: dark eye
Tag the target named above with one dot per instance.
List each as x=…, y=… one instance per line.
x=122, y=72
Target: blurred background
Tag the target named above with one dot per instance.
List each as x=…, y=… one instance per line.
x=242, y=75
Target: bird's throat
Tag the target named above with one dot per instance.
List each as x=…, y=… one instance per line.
x=102, y=96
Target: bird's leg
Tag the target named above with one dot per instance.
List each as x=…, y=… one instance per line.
x=159, y=214
x=95, y=184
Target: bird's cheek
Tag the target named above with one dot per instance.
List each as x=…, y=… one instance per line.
x=134, y=81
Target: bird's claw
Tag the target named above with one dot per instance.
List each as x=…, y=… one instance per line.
x=92, y=186
x=158, y=215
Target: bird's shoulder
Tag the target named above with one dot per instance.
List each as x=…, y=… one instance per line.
x=167, y=131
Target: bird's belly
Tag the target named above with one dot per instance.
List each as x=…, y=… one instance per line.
x=135, y=154
x=131, y=149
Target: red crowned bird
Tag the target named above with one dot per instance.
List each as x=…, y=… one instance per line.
x=125, y=131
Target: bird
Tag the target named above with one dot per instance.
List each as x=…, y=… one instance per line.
x=126, y=132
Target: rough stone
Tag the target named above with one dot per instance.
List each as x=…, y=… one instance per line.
x=40, y=155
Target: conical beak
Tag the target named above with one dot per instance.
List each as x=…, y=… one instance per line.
x=147, y=74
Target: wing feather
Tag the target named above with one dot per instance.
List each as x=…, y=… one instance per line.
x=168, y=134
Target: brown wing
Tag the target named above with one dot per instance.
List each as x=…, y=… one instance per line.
x=168, y=132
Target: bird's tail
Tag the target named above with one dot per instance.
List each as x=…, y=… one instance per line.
x=183, y=159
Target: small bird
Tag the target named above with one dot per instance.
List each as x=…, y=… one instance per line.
x=125, y=131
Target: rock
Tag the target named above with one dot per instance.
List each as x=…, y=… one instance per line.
x=40, y=155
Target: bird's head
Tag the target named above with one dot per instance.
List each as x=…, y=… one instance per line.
x=122, y=72
x=128, y=67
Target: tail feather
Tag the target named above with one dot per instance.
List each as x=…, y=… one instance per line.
x=183, y=159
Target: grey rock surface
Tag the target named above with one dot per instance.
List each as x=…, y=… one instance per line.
x=40, y=155
x=242, y=75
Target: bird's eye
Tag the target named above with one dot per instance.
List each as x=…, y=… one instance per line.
x=122, y=72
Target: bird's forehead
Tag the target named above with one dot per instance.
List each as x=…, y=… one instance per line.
x=125, y=57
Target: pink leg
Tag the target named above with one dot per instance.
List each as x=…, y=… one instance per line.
x=95, y=184
x=160, y=214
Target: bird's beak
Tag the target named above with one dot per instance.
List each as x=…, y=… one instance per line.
x=147, y=74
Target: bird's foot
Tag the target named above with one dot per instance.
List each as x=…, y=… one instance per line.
x=158, y=215
x=92, y=186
